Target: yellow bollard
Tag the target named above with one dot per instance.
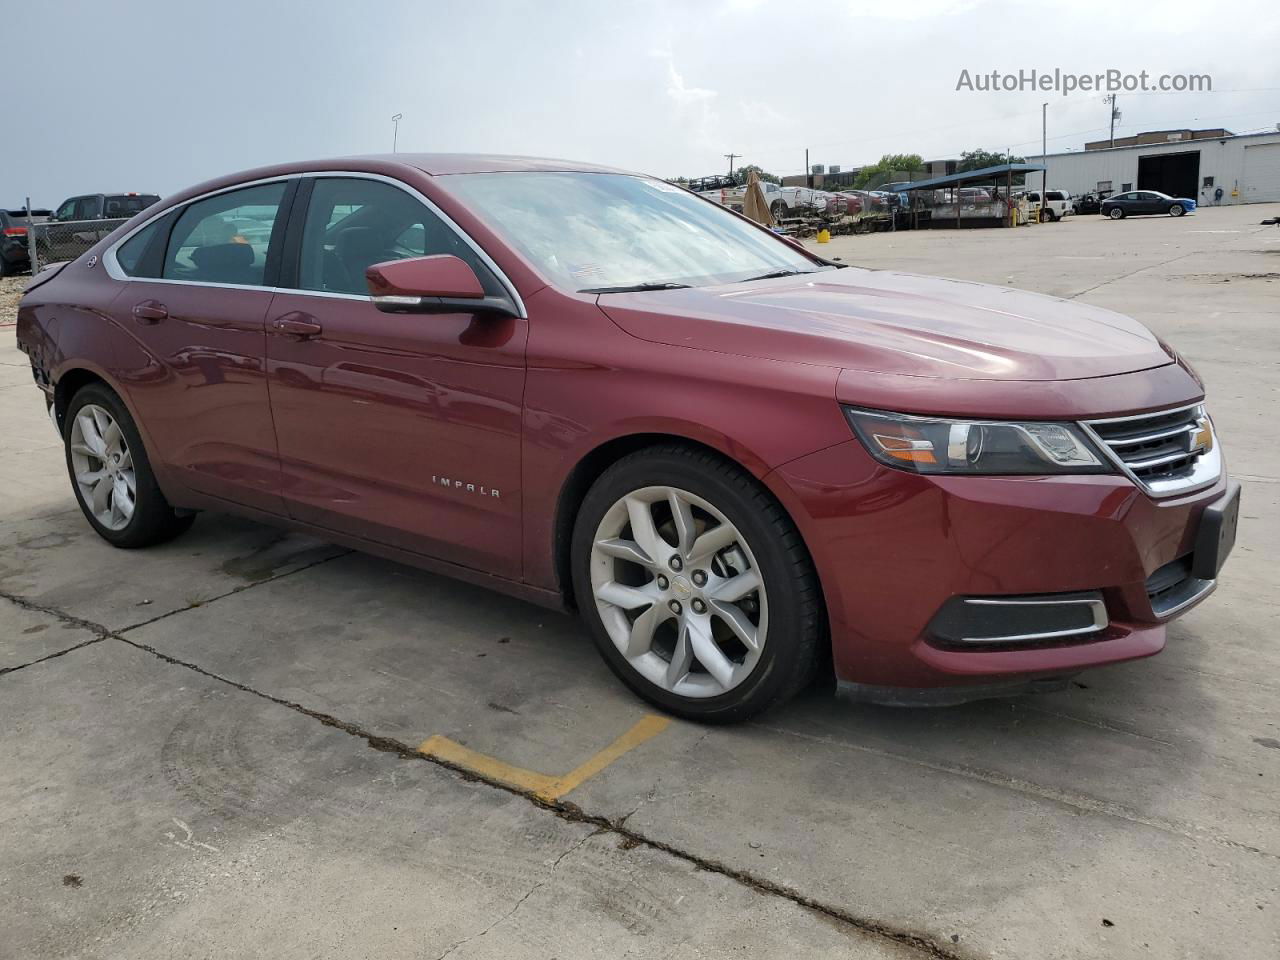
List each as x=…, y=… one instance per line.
x=824, y=235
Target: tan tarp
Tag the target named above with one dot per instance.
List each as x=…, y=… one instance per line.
x=753, y=204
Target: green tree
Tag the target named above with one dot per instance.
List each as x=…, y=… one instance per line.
x=744, y=170
x=883, y=169
x=979, y=159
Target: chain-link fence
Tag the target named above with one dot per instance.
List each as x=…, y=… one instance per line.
x=54, y=241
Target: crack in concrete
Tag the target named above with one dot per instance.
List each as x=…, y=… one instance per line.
x=1076, y=801
x=563, y=809
x=99, y=632
x=1132, y=273
x=102, y=632
x=519, y=903
x=572, y=813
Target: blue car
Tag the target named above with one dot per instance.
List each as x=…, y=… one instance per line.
x=1145, y=201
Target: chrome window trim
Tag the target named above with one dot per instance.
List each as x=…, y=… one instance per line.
x=115, y=271
x=1097, y=607
x=444, y=217
x=1206, y=471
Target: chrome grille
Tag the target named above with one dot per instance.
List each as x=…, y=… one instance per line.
x=1167, y=452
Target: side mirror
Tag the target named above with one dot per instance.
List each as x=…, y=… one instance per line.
x=435, y=284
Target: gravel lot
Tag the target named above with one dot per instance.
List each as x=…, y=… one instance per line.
x=10, y=294
x=212, y=748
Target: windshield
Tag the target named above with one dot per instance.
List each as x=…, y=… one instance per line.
x=599, y=231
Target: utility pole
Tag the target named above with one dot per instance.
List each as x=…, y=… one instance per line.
x=808, y=174
x=395, y=133
x=1044, y=157
x=731, y=157
x=1115, y=115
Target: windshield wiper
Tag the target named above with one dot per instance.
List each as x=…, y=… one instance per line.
x=776, y=274
x=637, y=288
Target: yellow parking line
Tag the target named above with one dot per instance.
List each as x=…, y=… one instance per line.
x=539, y=784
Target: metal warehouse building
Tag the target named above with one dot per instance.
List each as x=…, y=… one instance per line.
x=1245, y=168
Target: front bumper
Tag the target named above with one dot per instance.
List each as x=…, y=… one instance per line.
x=893, y=549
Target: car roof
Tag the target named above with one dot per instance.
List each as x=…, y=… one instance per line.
x=391, y=164
x=440, y=164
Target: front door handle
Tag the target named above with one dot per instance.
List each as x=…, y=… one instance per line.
x=297, y=324
x=150, y=311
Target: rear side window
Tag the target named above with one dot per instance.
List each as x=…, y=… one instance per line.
x=127, y=206
x=141, y=254
x=225, y=239
x=86, y=208
x=353, y=223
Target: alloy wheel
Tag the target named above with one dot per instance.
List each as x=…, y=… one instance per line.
x=103, y=467
x=679, y=592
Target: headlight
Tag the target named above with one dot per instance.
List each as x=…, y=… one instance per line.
x=928, y=445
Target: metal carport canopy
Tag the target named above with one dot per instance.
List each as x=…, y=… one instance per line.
x=986, y=173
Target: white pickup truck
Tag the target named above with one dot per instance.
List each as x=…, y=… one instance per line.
x=782, y=201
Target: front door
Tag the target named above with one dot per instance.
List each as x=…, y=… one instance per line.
x=398, y=428
x=195, y=305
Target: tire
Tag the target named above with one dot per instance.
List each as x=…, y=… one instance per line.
x=1176, y=210
x=101, y=439
x=779, y=210
x=1116, y=213
x=784, y=617
x=5, y=268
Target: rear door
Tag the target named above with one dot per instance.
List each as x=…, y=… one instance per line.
x=398, y=428
x=195, y=304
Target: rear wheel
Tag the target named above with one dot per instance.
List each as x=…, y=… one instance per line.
x=1116, y=213
x=1176, y=210
x=779, y=210
x=696, y=586
x=111, y=474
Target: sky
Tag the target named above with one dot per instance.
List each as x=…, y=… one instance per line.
x=155, y=95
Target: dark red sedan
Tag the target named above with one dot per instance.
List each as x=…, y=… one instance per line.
x=594, y=389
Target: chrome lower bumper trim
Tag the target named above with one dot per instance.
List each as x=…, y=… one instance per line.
x=1190, y=592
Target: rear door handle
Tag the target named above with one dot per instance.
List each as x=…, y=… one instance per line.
x=150, y=311
x=297, y=324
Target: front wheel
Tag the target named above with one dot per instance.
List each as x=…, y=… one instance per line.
x=1176, y=210
x=111, y=474
x=1116, y=213
x=696, y=586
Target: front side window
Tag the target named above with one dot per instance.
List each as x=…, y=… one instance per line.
x=596, y=231
x=353, y=223
x=66, y=211
x=225, y=238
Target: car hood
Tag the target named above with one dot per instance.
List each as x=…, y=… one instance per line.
x=894, y=323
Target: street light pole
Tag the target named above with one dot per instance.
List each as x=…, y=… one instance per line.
x=395, y=133
x=1044, y=159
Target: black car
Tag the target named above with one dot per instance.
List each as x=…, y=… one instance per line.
x=1088, y=203
x=13, y=239
x=1145, y=201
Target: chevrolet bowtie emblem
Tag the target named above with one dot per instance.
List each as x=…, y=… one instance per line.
x=1202, y=437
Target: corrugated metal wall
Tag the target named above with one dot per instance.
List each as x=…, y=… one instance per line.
x=1224, y=160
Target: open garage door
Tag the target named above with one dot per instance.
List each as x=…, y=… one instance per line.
x=1260, y=180
x=1177, y=174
